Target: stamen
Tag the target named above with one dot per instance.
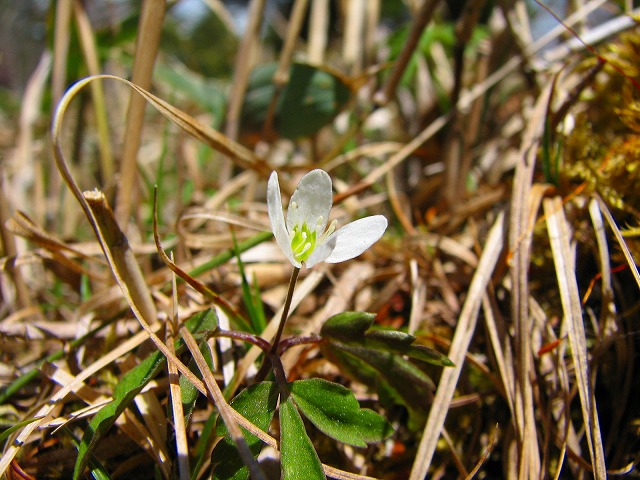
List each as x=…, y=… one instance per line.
x=303, y=241
x=306, y=247
x=330, y=229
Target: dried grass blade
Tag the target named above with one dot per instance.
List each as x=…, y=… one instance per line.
x=281, y=77
x=23, y=162
x=245, y=59
x=608, y=318
x=354, y=24
x=96, y=225
x=461, y=340
x=603, y=250
x=422, y=18
x=502, y=351
x=88, y=371
x=90, y=52
x=155, y=420
x=342, y=475
x=179, y=427
x=226, y=412
x=318, y=31
x=243, y=157
x=623, y=245
x=524, y=208
x=493, y=441
x=61, y=35
x=116, y=242
x=20, y=224
x=571, y=305
x=418, y=297
x=23, y=296
x=147, y=44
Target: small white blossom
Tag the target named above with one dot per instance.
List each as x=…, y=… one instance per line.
x=304, y=237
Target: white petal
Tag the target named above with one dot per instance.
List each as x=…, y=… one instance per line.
x=321, y=252
x=276, y=216
x=355, y=237
x=312, y=199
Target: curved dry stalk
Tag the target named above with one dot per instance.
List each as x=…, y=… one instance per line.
x=241, y=155
x=122, y=255
x=115, y=265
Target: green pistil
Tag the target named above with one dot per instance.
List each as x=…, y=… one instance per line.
x=303, y=242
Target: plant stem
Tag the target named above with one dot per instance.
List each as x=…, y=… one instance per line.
x=273, y=350
x=244, y=337
x=287, y=343
x=285, y=310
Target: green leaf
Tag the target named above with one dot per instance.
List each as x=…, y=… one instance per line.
x=396, y=380
x=401, y=343
x=14, y=428
x=257, y=404
x=336, y=412
x=347, y=326
x=188, y=391
x=354, y=329
x=96, y=469
x=309, y=101
x=201, y=452
x=298, y=458
x=123, y=394
x=375, y=358
x=126, y=390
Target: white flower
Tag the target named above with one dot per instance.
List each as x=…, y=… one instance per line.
x=304, y=237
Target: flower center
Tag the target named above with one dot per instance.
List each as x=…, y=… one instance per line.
x=303, y=242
